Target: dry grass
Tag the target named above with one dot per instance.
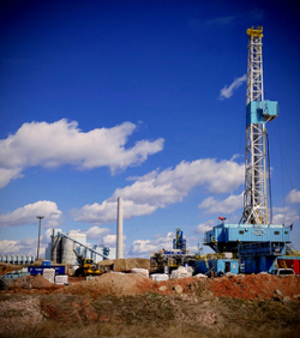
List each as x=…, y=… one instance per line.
x=154, y=315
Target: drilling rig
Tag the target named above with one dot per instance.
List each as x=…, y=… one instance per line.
x=258, y=113
x=254, y=244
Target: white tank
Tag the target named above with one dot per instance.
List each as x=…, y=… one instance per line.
x=17, y=259
x=68, y=255
x=67, y=251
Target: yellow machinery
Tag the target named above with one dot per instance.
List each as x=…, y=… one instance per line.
x=87, y=266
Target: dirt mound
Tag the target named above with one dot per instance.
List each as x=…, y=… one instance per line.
x=38, y=262
x=259, y=287
x=110, y=284
x=4, y=268
x=30, y=282
x=125, y=265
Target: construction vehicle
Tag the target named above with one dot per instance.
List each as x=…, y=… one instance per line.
x=87, y=266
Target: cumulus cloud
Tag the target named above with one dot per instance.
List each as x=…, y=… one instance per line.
x=110, y=240
x=227, y=91
x=27, y=215
x=6, y=175
x=227, y=206
x=285, y=215
x=294, y=196
x=203, y=227
x=107, y=211
x=143, y=248
x=159, y=189
x=24, y=247
x=62, y=142
x=96, y=232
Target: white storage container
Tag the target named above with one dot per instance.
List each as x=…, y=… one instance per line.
x=61, y=279
x=182, y=272
x=141, y=272
x=159, y=277
x=49, y=274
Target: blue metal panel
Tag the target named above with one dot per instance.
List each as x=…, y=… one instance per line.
x=200, y=267
x=220, y=234
x=261, y=111
x=250, y=265
x=217, y=266
x=256, y=234
x=254, y=113
x=59, y=269
x=270, y=109
x=46, y=263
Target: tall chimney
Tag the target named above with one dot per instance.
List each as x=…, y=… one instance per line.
x=120, y=228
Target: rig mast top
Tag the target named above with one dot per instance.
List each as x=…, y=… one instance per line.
x=258, y=113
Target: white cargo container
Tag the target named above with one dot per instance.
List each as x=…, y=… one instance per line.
x=61, y=279
x=49, y=274
x=159, y=277
x=141, y=272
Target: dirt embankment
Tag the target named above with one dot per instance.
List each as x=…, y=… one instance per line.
x=247, y=287
x=5, y=268
x=129, y=305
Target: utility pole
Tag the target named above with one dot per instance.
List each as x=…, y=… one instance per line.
x=39, y=236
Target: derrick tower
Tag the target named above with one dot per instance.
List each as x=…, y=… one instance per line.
x=258, y=113
x=254, y=242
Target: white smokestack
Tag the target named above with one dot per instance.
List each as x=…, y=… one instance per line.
x=120, y=228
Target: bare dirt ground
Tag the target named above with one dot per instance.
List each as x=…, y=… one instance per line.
x=129, y=305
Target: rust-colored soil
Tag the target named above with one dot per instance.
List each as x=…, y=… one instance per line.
x=115, y=305
x=255, y=287
x=249, y=287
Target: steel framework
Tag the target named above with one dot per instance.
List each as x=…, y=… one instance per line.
x=255, y=197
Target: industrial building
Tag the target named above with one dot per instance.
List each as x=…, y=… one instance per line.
x=17, y=259
x=62, y=246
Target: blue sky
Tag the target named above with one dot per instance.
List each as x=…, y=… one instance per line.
x=143, y=100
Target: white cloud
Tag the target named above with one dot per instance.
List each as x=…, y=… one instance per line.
x=110, y=240
x=6, y=175
x=157, y=190
x=203, y=227
x=46, y=237
x=96, y=232
x=229, y=205
x=26, y=246
x=143, y=248
x=27, y=215
x=107, y=211
x=294, y=196
x=62, y=142
x=227, y=91
x=285, y=216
